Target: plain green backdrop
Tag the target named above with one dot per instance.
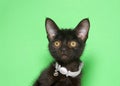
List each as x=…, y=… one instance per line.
x=23, y=42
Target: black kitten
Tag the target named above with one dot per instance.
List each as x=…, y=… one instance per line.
x=66, y=46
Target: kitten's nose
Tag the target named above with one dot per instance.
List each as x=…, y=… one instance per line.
x=63, y=49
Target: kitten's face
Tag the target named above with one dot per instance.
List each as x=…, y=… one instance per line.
x=67, y=45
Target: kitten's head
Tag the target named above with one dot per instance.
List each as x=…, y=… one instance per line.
x=66, y=45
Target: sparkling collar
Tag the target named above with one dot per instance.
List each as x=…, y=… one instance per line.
x=64, y=71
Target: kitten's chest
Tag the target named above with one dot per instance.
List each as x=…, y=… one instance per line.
x=63, y=80
x=66, y=81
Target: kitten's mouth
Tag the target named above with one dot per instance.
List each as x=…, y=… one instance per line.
x=64, y=56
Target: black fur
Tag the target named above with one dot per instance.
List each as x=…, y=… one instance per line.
x=71, y=59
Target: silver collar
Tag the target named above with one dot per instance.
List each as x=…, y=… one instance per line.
x=64, y=71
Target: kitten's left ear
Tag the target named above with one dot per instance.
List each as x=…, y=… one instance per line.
x=82, y=29
x=51, y=28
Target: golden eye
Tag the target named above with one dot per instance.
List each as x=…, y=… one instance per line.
x=57, y=43
x=73, y=44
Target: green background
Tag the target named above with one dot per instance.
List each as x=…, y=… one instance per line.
x=23, y=43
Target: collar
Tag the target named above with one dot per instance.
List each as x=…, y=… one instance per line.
x=64, y=71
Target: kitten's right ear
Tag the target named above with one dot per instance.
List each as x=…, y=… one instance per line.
x=51, y=28
x=82, y=29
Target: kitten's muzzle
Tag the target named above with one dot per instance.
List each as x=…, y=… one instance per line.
x=64, y=56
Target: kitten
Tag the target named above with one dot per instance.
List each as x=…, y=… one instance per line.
x=66, y=46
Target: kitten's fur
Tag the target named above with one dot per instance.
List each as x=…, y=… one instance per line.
x=64, y=55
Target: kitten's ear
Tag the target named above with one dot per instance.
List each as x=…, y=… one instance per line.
x=82, y=29
x=51, y=28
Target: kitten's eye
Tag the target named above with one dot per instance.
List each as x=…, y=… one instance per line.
x=57, y=43
x=73, y=44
